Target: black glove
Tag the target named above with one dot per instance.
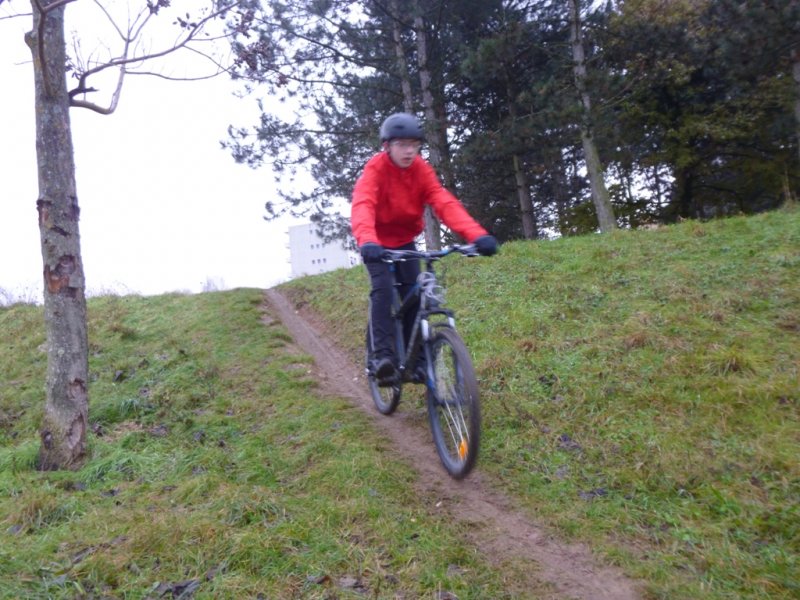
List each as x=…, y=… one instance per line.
x=486, y=245
x=371, y=252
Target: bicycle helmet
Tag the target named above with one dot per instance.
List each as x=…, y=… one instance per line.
x=401, y=125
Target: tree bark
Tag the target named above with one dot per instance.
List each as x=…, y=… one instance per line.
x=684, y=206
x=64, y=425
x=402, y=64
x=525, y=201
x=600, y=196
x=433, y=238
x=796, y=75
x=529, y=229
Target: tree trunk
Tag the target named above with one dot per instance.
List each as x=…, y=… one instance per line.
x=64, y=425
x=684, y=205
x=433, y=238
x=402, y=64
x=525, y=201
x=600, y=197
x=796, y=75
x=523, y=189
x=560, y=193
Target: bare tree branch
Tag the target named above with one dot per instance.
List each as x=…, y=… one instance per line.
x=125, y=59
x=14, y=16
x=93, y=107
x=170, y=78
x=112, y=21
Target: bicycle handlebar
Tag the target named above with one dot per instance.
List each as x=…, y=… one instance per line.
x=401, y=255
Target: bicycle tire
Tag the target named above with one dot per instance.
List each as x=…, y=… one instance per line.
x=386, y=398
x=453, y=403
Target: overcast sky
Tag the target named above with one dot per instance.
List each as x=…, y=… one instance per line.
x=163, y=207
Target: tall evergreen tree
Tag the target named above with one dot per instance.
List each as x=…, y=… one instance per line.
x=688, y=124
x=339, y=64
x=702, y=104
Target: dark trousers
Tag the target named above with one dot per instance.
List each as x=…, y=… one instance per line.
x=380, y=302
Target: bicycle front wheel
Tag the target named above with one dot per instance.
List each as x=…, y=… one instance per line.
x=453, y=403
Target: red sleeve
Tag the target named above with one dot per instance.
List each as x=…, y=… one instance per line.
x=362, y=209
x=448, y=208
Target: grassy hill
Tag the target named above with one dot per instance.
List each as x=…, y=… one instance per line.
x=640, y=390
x=217, y=469
x=640, y=393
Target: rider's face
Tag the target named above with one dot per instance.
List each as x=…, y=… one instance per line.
x=403, y=151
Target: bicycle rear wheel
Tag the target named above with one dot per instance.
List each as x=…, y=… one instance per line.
x=385, y=397
x=453, y=403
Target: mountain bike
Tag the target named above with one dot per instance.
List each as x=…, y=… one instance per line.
x=449, y=377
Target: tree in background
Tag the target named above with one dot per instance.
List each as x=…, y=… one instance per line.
x=65, y=422
x=343, y=67
x=602, y=202
x=689, y=120
x=525, y=119
x=707, y=102
x=306, y=58
x=495, y=76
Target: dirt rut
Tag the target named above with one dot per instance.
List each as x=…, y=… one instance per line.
x=501, y=532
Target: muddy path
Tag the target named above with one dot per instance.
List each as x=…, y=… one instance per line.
x=497, y=529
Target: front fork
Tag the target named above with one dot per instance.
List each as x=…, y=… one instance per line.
x=425, y=330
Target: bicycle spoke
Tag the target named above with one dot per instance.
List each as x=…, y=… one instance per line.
x=452, y=404
x=461, y=435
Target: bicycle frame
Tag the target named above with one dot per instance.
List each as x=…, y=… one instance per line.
x=452, y=393
x=424, y=292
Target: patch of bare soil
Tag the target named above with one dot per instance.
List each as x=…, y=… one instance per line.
x=498, y=530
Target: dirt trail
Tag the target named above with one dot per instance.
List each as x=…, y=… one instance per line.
x=501, y=531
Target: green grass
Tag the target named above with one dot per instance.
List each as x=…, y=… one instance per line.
x=640, y=392
x=216, y=466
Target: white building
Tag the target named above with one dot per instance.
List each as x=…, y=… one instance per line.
x=309, y=254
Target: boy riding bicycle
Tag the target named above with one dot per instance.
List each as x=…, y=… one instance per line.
x=387, y=212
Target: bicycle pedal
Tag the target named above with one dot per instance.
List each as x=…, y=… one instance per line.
x=390, y=381
x=384, y=369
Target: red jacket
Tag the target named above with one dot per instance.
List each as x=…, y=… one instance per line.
x=389, y=203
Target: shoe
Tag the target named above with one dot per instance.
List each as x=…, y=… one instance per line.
x=383, y=369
